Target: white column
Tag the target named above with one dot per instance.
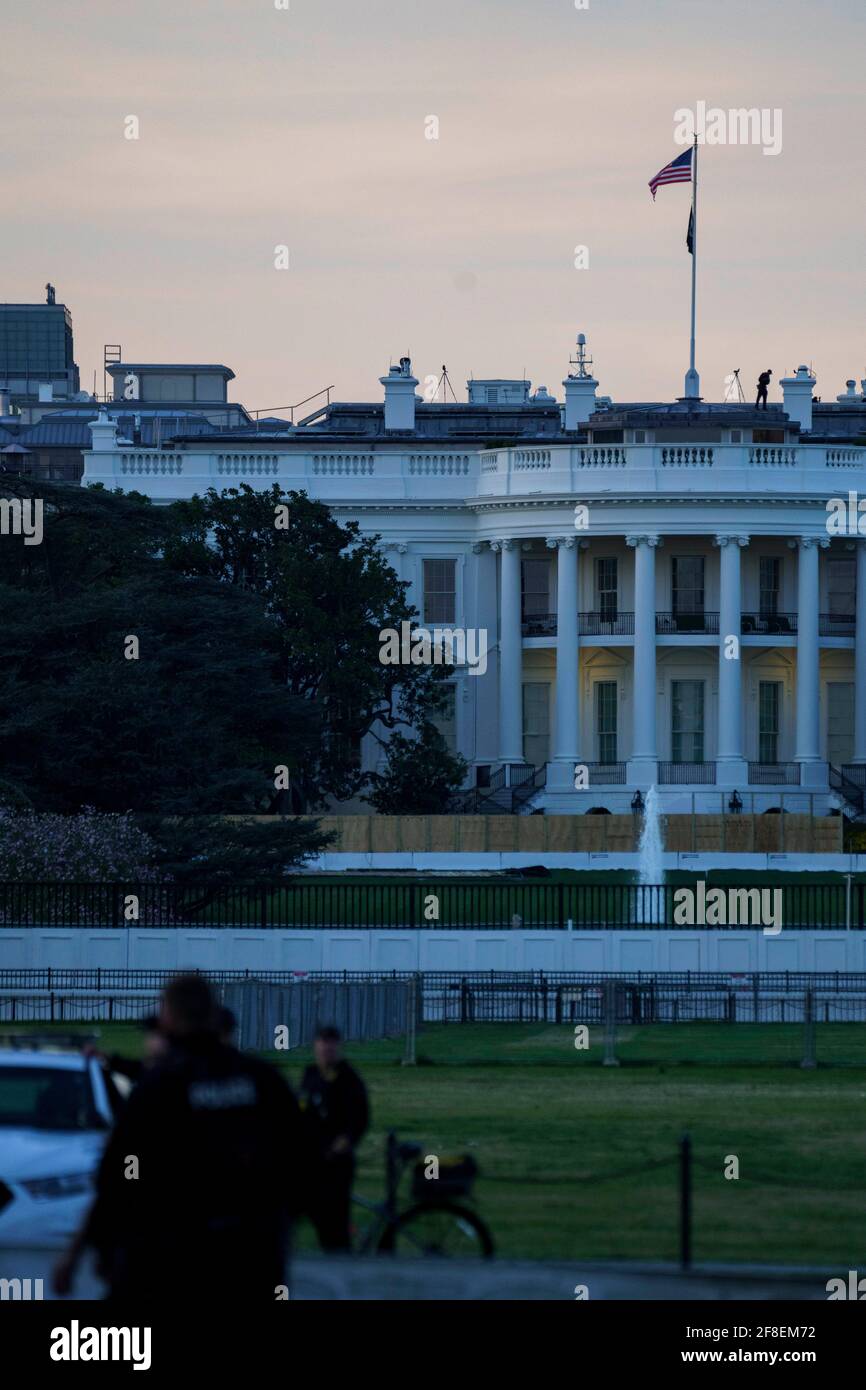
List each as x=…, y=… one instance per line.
x=567, y=734
x=510, y=653
x=643, y=765
x=731, y=768
x=860, y=658
x=808, y=747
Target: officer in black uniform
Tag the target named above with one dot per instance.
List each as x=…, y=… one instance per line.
x=763, y=386
x=196, y=1184
x=333, y=1101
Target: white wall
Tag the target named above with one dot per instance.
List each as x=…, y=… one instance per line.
x=432, y=949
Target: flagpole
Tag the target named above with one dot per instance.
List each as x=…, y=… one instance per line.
x=693, y=384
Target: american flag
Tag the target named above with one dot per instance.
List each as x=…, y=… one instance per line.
x=678, y=171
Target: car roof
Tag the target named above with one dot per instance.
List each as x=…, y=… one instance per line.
x=42, y=1057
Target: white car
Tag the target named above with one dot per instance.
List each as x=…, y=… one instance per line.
x=56, y=1109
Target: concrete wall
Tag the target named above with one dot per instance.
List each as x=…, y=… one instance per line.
x=432, y=949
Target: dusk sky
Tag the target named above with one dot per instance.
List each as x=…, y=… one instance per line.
x=306, y=127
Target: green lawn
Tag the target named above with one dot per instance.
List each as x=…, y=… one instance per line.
x=568, y=1148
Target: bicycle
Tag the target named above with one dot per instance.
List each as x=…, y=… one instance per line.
x=433, y=1225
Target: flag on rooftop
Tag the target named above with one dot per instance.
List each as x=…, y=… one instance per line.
x=678, y=171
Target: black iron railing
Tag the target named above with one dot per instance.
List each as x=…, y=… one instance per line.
x=606, y=774
x=688, y=774
x=774, y=774
x=606, y=624
x=836, y=624
x=539, y=625
x=686, y=624
x=769, y=624
x=462, y=904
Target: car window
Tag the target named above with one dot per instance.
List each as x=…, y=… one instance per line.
x=47, y=1098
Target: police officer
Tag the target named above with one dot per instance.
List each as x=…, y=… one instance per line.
x=763, y=386
x=194, y=1191
x=334, y=1105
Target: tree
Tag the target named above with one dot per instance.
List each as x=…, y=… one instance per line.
x=421, y=775
x=127, y=685
x=330, y=593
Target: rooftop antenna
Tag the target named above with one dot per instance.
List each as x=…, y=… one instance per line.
x=733, y=388
x=581, y=361
x=444, y=383
x=50, y=296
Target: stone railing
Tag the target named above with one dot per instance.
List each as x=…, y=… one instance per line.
x=343, y=465
x=438, y=465
x=531, y=458
x=686, y=455
x=154, y=463
x=247, y=465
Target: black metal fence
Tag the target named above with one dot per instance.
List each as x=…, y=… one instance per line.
x=453, y=903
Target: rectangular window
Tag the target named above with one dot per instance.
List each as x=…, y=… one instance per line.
x=440, y=594
x=445, y=720
x=605, y=720
x=606, y=588
x=769, y=707
x=687, y=592
x=769, y=584
x=841, y=584
x=687, y=721
x=536, y=722
x=536, y=587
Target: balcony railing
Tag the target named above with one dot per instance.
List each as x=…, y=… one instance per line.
x=836, y=624
x=539, y=624
x=679, y=624
x=688, y=774
x=774, y=774
x=606, y=624
x=606, y=774
x=769, y=624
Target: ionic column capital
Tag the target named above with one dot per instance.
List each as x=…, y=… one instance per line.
x=651, y=541
x=561, y=542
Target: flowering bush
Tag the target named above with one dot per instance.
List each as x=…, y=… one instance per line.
x=90, y=847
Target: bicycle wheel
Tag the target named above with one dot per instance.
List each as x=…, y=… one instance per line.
x=440, y=1229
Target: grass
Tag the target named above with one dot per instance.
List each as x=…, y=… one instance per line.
x=578, y=1161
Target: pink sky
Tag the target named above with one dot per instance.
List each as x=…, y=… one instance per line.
x=261, y=127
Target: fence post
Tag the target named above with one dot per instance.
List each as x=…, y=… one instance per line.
x=809, y=1060
x=409, y=1054
x=610, y=1001
x=685, y=1202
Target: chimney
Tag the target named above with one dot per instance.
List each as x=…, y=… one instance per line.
x=797, y=397
x=850, y=396
x=103, y=431
x=399, y=387
x=580, y=388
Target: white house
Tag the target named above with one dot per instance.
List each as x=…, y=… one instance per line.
x=665, y=595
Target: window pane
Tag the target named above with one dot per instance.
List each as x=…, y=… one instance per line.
x=605, y=720
x=770, y=576
x=439, y=591
x=536, y=587
x=841, y=582
x=769, y=704
x=606, y=586
x=687, y=594
x=687, y=721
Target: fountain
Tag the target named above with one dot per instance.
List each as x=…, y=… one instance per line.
x=651, y=861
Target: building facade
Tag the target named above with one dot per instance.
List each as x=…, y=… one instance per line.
x=37, y=356
x=670, y=594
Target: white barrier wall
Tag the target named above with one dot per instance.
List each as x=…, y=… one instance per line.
x=431, y=949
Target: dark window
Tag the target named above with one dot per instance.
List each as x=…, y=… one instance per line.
x=687, y=592
x=439, y=591
x=841, y=584
x=605, y=720
x=769, y=704
x=536, y=587
x=687, y=721
x=606, y=588
x=770, y=576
